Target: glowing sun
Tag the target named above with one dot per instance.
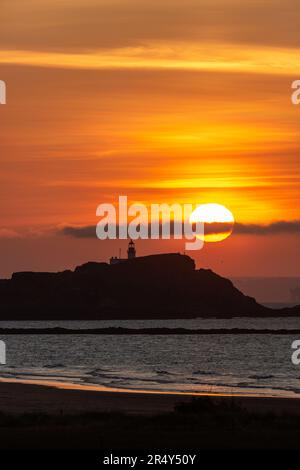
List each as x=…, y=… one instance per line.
x=217, y=219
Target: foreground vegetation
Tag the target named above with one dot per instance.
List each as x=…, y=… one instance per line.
x=201, y=424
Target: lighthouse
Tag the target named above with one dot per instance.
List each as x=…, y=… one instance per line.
x=131, y=254
x=131, y=250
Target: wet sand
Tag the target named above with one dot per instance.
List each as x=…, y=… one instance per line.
x=40, y=417
x=49, y=398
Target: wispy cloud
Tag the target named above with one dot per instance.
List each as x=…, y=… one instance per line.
x=8, y=233
x=167, y=56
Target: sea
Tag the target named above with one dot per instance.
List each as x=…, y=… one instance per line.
x=232, y=364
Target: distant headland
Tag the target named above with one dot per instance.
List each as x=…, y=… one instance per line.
x=149, y=287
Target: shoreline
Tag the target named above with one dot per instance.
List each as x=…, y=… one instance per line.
x=41, y=396
x=102, y=388
x=98, y=388
x=33, y=416
x=154, y=331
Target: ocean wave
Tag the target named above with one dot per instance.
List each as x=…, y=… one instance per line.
x=204, y=372
x=261, y=377
x=54, y=366
x=99, y=371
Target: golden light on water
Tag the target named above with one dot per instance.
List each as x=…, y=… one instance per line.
x=217, y=219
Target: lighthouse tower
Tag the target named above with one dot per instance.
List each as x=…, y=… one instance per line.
x=131, y=250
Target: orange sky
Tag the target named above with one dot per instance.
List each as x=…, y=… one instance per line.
x=162, y=101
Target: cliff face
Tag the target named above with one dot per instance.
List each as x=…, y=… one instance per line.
x=157, y=286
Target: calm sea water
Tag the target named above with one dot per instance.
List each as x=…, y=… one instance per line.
x=240, y=364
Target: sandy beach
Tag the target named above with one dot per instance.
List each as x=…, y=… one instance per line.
x=65, y=398
x=57, y=398
x=41, y=417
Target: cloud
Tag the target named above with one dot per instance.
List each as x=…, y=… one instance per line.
x=8, y=233
x=93, y=24
x=167, y=56
x=79, y=232
x=89, y=231
x=275, y=228
x=28, y=232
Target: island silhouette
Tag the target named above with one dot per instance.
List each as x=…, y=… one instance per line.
x=160, y=286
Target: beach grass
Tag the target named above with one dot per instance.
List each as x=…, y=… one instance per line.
x=200, y=423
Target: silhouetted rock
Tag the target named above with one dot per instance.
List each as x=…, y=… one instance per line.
x=157, y=286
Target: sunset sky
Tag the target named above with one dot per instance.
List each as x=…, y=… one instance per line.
x=163, y=101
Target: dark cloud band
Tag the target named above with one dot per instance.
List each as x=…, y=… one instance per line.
x=275, y=228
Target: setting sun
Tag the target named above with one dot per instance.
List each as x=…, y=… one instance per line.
x=218, y=221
